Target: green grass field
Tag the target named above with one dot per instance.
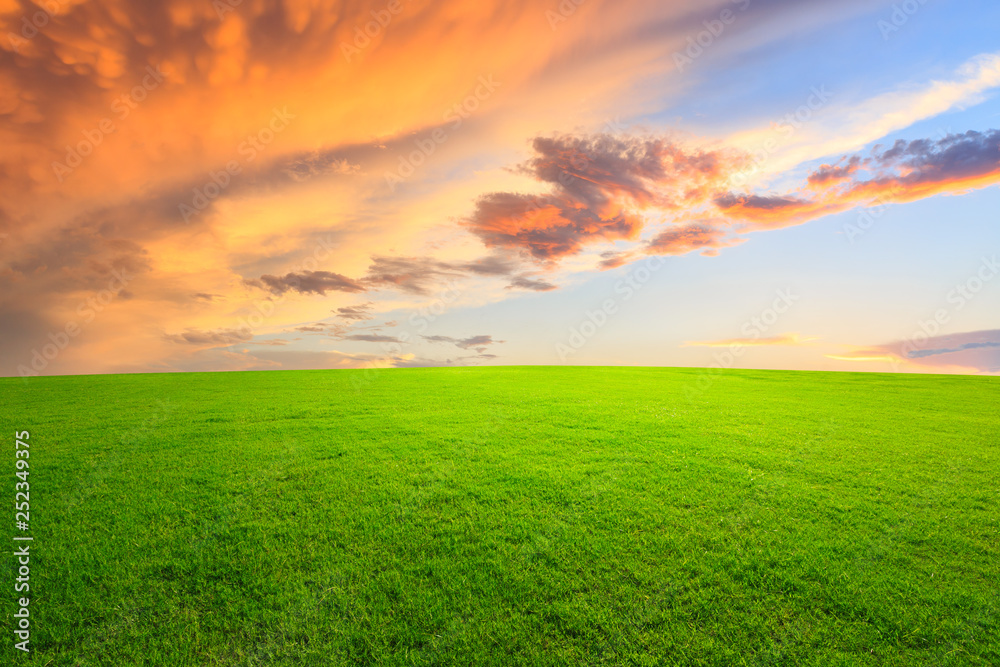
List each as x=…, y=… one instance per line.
x=509, y=516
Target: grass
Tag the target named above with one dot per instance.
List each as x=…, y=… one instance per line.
x=506, y=516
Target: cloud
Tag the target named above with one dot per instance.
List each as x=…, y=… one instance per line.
x=216, y=337
x=532, y=284
x=271, y=341
x=416, y=362
x=411, y=275
x=546, y=227
x=328, y=328
x=371, y=338
x=415, y=275
x=905, y=172
x=419, y=362
x=911, y=170
x=359, y=312
x=491, y=265
x=269, y=358
x=773, y=212
x=863, y=355
x=612, y=259
x=599, y=185
x=419, y=275
x=86, y=256
x=680, y=240
x=223, y=74
x=846, y=125
x=918, y=354
x=308, y=282
x=477, y=343
x=784, y=339
x=828, y=174
x=318, y=163
x=975, y=351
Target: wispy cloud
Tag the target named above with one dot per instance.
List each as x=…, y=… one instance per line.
x=978, y=351
x=784, y=339
x=477, y=343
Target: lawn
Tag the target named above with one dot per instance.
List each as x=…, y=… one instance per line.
x=509, y=516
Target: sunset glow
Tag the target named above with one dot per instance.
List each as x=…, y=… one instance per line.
x=263, y=184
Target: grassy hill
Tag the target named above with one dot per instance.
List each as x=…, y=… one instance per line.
x=518, y=515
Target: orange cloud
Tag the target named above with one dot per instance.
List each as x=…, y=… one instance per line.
x=680, y=240
x=546, y=227
x=599, y=185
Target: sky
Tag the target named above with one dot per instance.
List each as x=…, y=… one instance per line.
x=215, y=185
